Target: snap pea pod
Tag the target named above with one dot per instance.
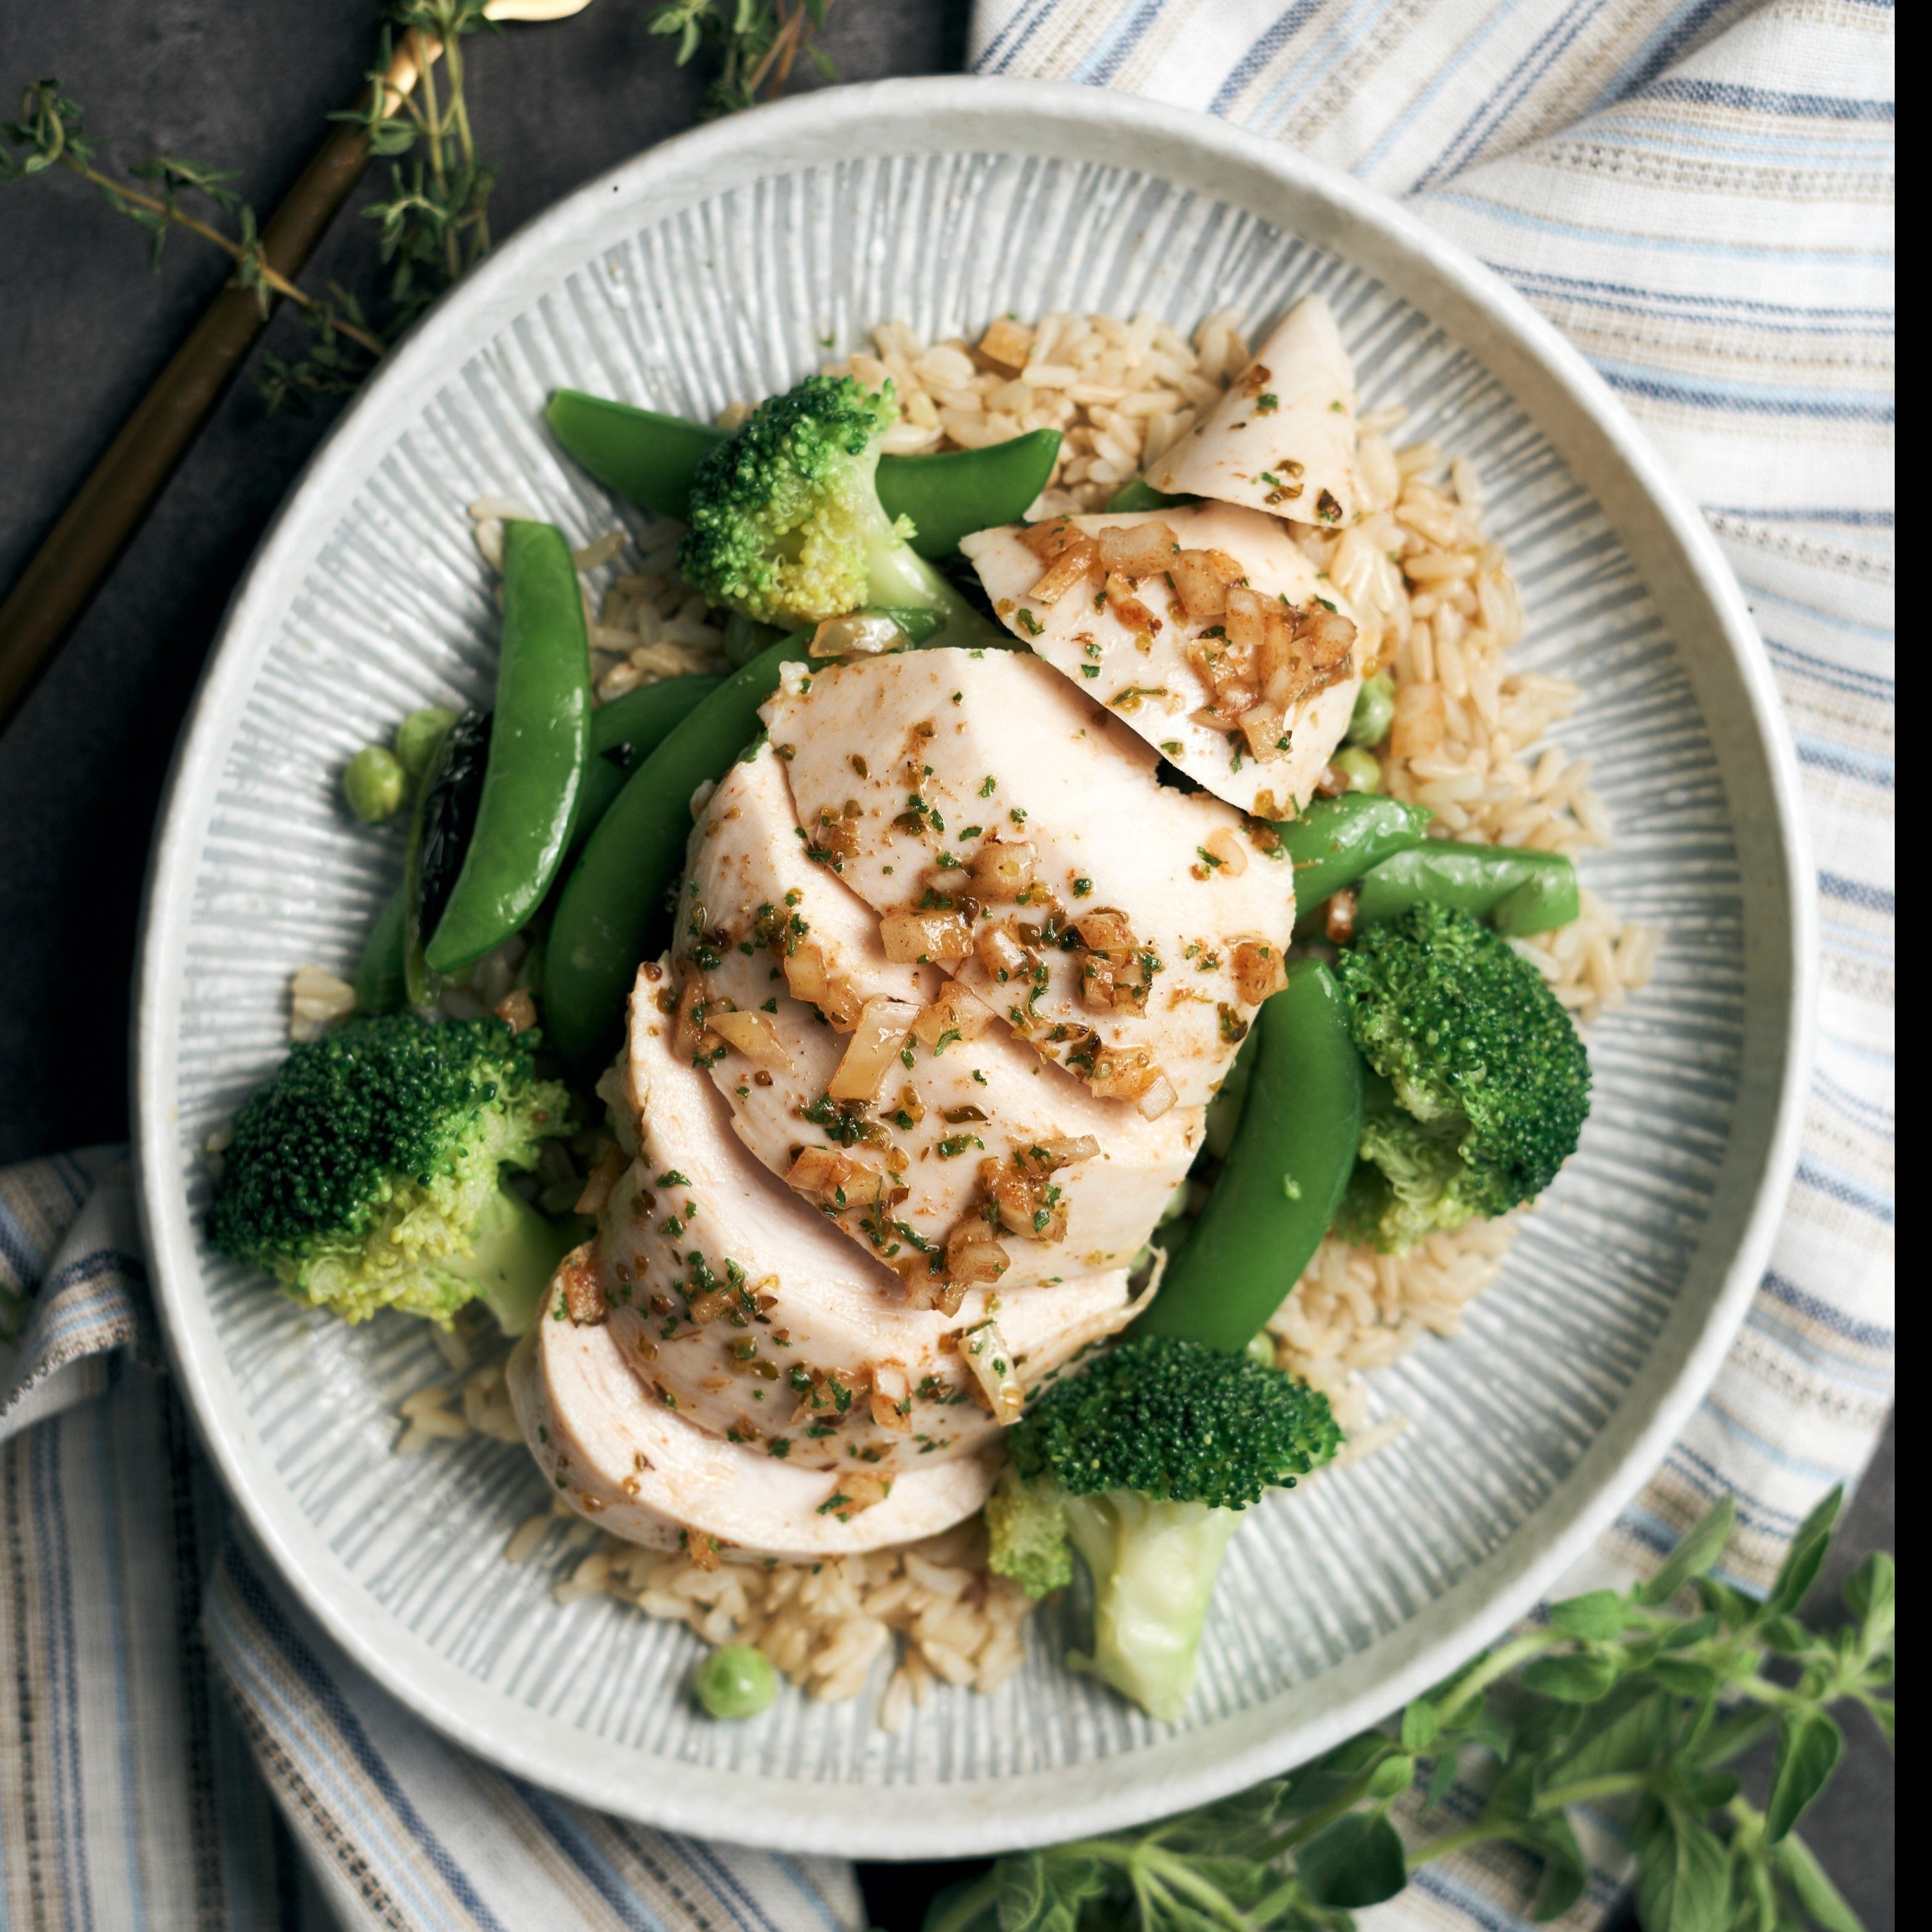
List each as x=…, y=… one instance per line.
x=1518, y=892
x=1279, y=1187
x=1142, y=495
x=381, y=981
x=652, y=458
x=613, y=912
x=1337, y=840
x=632, y=725
x=539, y=744
x=623, y=734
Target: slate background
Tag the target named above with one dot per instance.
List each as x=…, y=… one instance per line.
x=86, y=328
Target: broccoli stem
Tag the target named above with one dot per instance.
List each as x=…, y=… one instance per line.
x=1154, y=1565
x=515, y=1253
x=897, y=577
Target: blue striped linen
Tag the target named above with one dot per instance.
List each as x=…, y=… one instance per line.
x=180, y=1746
x=1700, y=192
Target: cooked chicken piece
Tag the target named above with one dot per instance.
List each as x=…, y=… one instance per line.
x=1010, y=829
x=744, y=1309
x=1201, y=628
x=616, y=1455
x=1282, y=438
x=917, y=1093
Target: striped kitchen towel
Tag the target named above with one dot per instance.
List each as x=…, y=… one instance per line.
x=1698, y=191
x=180, y=1747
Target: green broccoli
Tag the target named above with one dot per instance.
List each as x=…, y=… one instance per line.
x=786, y=526
x=365, y=1175
x=1480, y=1085
x=1147, y=1460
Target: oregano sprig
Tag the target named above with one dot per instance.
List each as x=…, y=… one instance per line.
x=755, y=44
x=1615, y=1701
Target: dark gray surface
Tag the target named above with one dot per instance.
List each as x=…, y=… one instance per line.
x=86, y=328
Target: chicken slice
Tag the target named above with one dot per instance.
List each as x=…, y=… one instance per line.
x=1282, y=438
x=1160, y=649
x=618, y=1456
x=892, y=1093
x=1009, y=829
x=747, y=1312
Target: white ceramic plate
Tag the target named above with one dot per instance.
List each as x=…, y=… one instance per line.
x=716, y=267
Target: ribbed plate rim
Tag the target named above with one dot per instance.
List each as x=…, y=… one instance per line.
x=1038, y=1807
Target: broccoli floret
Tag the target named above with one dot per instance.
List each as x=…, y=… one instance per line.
x=1484, y=1084
x=1149, y=1458
x=785, y=522
x=1027, y=1528
x=365, y=1175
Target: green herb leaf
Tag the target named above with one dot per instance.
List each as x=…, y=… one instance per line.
x=1683, y=1873
x=1566, y=1873
x=1810, y=1745
x=1806, y=1556
x=1580, y=1677
x=1598, y=1616
x=1870, y=1595
x=1701, y=1546
x=1420, y=1723
x=1356, y=1861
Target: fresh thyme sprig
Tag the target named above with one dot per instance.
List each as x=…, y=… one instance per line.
x=52, y=132
x=1616, y=1702
x=756, y=42
x=433, y=226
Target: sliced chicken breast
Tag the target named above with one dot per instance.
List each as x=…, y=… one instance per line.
x=1153, y=638
x=1010, y=829
x=1282, y=438
x=747, y=1312
x=617, y=1456
x=861, y=1070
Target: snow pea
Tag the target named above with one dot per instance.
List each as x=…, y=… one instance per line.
x=1140, y=494
x=1518, y=892
x=651, y=458
x=539, y=745
x=623, y=734
x=1279, y=1186
x=613, y=911
x=382, y=983
x=1337, y=840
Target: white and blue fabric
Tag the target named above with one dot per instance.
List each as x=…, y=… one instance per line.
x=1700, y=192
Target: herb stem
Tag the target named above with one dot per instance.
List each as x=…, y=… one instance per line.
x=1481, y=1832
x=1612, y=1784
x=168, y=211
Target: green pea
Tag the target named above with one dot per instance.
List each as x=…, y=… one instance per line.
x=1361, y=770
x=1262, y=1347
x=374, y=783
x=736, y=1682
x=1375, y=711
x=417, y=736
